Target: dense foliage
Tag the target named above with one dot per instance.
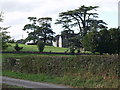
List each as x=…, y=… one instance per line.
x=4, y=38
x=40, y=29
x=104, y=41
x=81, y=18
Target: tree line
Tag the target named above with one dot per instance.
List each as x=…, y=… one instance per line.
x=103, y=41
x=93, y=34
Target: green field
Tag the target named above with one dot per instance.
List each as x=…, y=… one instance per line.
x=34, y=48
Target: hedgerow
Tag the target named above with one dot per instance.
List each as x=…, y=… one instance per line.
x=89, y=65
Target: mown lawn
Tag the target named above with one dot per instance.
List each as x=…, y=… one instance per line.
x=34, y=48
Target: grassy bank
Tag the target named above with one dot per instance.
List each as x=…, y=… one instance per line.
x=76, y=82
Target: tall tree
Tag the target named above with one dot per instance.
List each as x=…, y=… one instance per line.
x=32, y=29
x=82, y=17
x=96, y=25
x=46, y=32
x=40, y=29
x=4, y=38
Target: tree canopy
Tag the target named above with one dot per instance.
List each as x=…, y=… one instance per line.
x=83, y=18
x=4, y=38
x=40, y=29
x=104, y=41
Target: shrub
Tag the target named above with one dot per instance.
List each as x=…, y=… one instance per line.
x=17, y=48
x=41, y=46
x=72, y=50
x=90, y=42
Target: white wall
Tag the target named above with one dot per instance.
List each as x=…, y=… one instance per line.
x=60, y=41
x=54, y=43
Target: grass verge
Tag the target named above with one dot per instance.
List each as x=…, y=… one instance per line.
x=10, y=87
x=32, y=77
x=73, y=81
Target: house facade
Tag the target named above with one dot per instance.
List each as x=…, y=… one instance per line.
x=60, y=40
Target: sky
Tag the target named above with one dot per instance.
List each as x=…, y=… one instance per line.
x=16, y=12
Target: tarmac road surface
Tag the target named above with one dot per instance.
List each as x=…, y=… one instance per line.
x=29, y=84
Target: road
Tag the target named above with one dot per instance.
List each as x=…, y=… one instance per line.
x=29, y=84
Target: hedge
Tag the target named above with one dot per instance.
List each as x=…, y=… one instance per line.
x=91, y=65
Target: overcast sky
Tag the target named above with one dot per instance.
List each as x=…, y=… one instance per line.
x=17, y=11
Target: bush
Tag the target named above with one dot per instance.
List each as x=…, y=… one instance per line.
x=72, y=50
x=41, y=46
x=90, y=42
x=17, y=48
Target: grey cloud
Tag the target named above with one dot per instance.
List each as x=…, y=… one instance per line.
x=16, y=21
